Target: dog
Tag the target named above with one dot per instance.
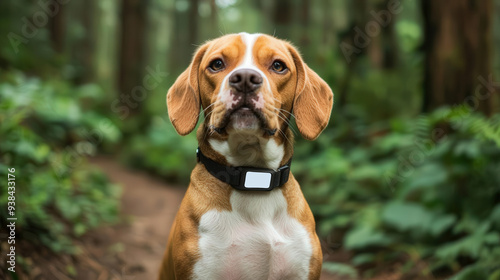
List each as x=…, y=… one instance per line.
x=244, y=215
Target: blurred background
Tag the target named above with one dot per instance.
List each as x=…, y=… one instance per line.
x=404, y=182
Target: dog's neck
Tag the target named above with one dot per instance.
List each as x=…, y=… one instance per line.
x=246, y=148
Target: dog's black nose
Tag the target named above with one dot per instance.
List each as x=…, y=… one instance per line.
x=245, y=80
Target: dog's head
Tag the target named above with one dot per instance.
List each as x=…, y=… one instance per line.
x=249, y=83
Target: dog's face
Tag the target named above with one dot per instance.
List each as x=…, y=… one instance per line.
x=249, y=83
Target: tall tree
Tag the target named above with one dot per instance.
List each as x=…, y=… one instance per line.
x=213, y=16
x=390, y=44
x=383, y=50
x=358, y=13
x=132, y=53
x=185, y=36
x=57, y=24
x=458, y=45
x=88, y=46
x=193, y=21
x=305, y=21
x=327, y=25
x=107, y=45
x=282, y=15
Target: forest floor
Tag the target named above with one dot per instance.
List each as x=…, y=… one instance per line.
x=130, y=250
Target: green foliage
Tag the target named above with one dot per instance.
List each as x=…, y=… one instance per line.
x=409, y=189
x=412, y=217
x=163, y=151
x=46, y=136
x=341, y=269
x=381, y=85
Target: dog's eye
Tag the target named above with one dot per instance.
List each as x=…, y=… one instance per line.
x=278, y=66
x=216, y=65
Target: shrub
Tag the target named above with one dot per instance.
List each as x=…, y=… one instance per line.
x=416, y=189
x=162, y=151
x=46, y=137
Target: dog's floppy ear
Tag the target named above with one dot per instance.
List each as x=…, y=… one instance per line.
x=313, y=100
x=183, y=98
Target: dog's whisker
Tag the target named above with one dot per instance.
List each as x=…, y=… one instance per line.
x=289, y=124
x=209, y=113
x=277, y=100
x=283, y=110
x=284, y=135
x=204, y=110
x=285, y=119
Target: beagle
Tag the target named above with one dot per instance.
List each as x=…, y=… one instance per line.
x=244, y=215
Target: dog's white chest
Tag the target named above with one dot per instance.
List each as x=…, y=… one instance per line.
x=256, y=240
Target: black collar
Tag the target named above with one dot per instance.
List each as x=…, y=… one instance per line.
x=246, y=178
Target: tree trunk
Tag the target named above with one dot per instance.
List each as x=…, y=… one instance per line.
x=213, y=16
x=327, y=22
x=282, y=18
x=390, y=48
x=57, y=24
x=358, y=18
x=458, y=45
x=385, y=53
x=185, y=37
x=305, y=19
x=193, y=21
x=132, y=55
x=88, y=48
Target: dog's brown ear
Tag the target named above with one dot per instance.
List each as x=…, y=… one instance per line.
x=313, y=100
x=183, y=98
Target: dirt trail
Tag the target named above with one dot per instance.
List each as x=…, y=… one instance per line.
x=134, y=250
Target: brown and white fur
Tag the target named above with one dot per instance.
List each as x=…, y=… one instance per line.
x=223, y=233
